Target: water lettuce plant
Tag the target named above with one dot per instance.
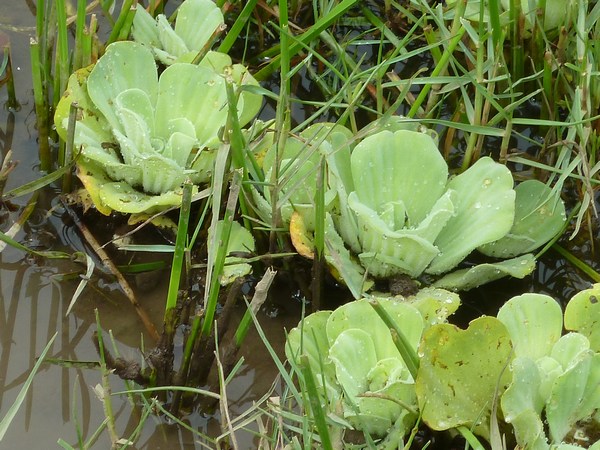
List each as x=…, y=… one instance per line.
x=538, y=375
x=142, y=132
x=362, y=379
x=516, y=368
x=393, y=209
x=196, y=24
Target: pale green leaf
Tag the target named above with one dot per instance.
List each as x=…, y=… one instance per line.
x=136, y=102
x=570, y=349
x=196, y=22
x=522, y=403
x=125, y=65
x=340, y=181
x=353, y=354
x=464, y=369
x=534, y=322
x=435, y=305
x=336, y=254
x=109, y=195
x=171, y=42
x=539, y=216
x=575, y=397
x=360, y=314
x=111, y=165
x=465, y=279
x=240, y=240
x=251, y=102
x=208, y=112
x=582, y=314
x=309, y=338
x=484, y=212
x=144, y=29
x=404, y=166
x=549, y=369
x=76, y=92
x=387, y=252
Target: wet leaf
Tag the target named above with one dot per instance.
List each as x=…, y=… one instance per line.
x=484, y=212
x=539, y=216
x=460, y=371
x=582, y=314
x=465, y=279
x=240, y=240
x=196, y=22
x=522, y=403
x=575, y=397
x=534, y=322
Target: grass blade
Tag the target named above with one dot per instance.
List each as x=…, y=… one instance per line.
x=12, y=411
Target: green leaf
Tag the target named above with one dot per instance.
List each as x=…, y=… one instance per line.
x=397, y=249
x=534, y=322
x=336, y=254
x=389, y=252
x=353, y=354
x=575, y=397
x=484, y=212
x=251, y=101
x=539, y=216
x=109, y=195
x=340, y=181
x=367, y=362
x=465, y=279
x=125, y=65
x=582, y=314
x=310, y=339
x=403, y=167
x=522, y=404
x=76, y=92
x=240, y=240
x=196, y=22
x=435, y=305
x=144, y=29
x=460, y=372
x=360, y=315
x=208, y=113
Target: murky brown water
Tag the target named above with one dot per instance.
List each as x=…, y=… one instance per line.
x=33, y=303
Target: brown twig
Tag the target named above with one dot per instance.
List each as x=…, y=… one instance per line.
x=89, y=237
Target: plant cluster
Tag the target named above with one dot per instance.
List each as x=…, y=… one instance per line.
x=139, y=135
x=163, y=122
x=391, y=208
x=379, y=364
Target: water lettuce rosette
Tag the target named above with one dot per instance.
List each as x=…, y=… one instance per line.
x=547, y=382
x=361, y=377
x=196, y=23
x=392, y=208
x=400, y=213
x=142, y=135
